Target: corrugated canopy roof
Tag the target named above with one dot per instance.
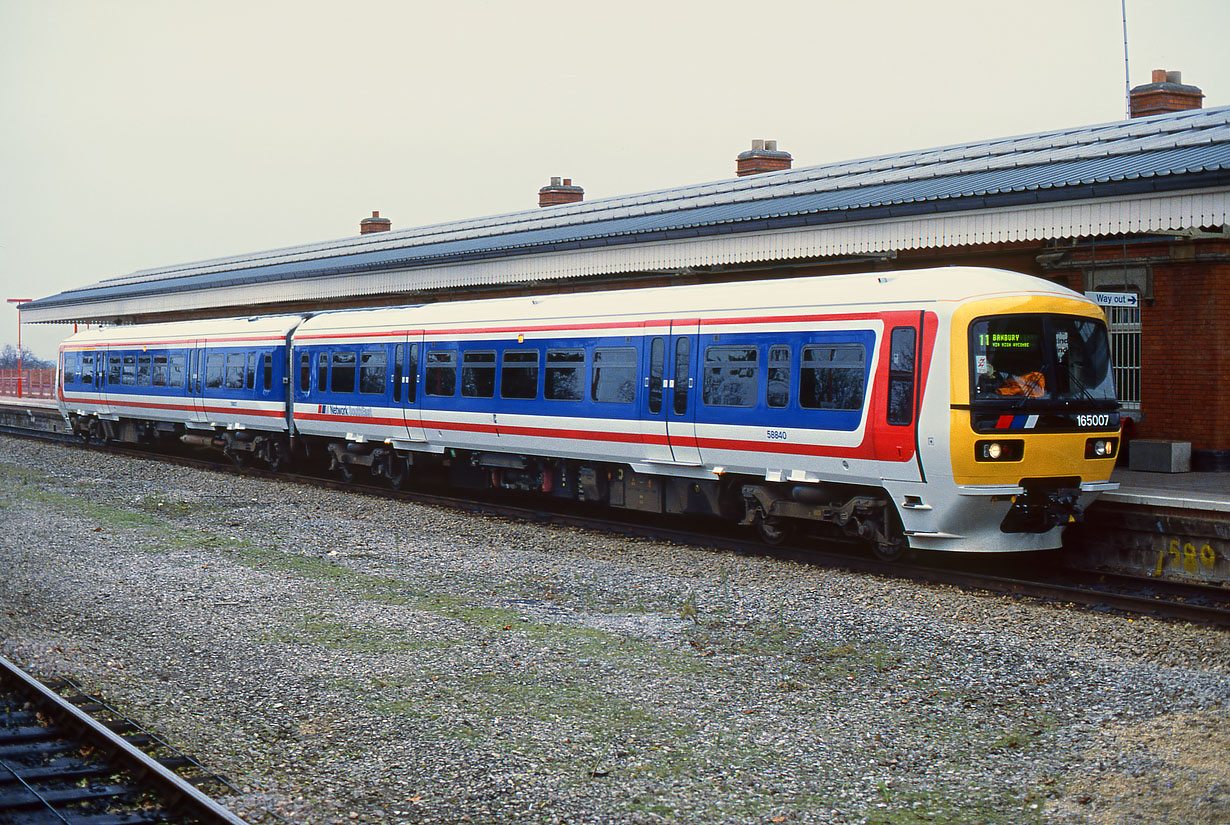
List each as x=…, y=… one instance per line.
x=1181, y=151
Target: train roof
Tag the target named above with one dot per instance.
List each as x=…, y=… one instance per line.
x=1108, y=178
x=952, y=285
x=267, y=327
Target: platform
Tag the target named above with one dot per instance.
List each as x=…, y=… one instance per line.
x=1165, y=525
x=37, y=412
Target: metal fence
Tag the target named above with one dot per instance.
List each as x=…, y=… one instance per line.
x=34, y=383
x=1124, y=325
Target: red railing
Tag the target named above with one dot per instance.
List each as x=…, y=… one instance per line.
x=34, y=383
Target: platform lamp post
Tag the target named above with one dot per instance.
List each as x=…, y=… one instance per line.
x=19, y=302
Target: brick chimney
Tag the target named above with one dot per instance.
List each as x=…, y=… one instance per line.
x=762, y=157
x=1165, y=94
x=374, y=224
x=558, y=192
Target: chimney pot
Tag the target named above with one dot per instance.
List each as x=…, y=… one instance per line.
x=560, y=191
x=1165, y=94
x=764, y=156
x=374, y=224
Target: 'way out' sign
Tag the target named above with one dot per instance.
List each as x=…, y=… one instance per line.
x=1114, y=299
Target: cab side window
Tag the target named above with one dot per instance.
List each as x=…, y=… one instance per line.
x=901, y=376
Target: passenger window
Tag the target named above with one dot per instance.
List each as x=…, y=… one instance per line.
x=213, y=372
x=657, y=367
x=831, y=377
x=322, y=372
x=130, y=370
x=399, y=354
x=565, y=374
x=901, y=376
x=268, y=371
x=305, y=372
x=175, y=370
x=683, y=373
x=778, y=393
x=478, y=374
x=519, y=374
x=113, y=370
x=87, y=369
x=143, y=370
x=158, y=377
x=342, y=379
x=234, y=371
x=614, y=375
x=730, y=377
x=68, y=371
x=441, y=372
x=372, y=372
x=251, y=380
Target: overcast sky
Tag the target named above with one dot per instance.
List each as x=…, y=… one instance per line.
x=141, y=133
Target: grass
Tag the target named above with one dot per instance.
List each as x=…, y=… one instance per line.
x=925, y=807
x=559, y=711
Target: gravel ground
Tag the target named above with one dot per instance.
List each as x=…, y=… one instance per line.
x=344, y=658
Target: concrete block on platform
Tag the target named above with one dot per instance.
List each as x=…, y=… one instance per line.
x=1161, y=456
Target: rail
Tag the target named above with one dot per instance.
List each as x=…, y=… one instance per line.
x=36, y=775
x=1172, y=600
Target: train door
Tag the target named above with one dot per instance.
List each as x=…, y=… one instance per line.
x=406, y=389
x=680, y=400
x=108, y=363
x=655, y=400
x=896, y=424
x=194, y=390
x=99, y=383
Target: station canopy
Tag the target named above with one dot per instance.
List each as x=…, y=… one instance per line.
x=1159, y=174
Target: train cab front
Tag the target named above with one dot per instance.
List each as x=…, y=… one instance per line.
x=1038, y=437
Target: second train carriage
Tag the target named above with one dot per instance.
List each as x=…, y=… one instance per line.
x=214, y=383
x=954, y=409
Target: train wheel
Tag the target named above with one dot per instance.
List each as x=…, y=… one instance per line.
x=890, y=543
x=397, y=472
x=888, y=551
x=276, y=458
x=345, y=472
x=774, y=530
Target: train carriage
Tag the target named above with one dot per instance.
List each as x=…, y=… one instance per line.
x=953, y=409
x=212, y=381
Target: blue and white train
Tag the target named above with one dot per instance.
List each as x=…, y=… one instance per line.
x=959, y=409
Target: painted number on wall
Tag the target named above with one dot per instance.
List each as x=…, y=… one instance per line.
x=1186, y=555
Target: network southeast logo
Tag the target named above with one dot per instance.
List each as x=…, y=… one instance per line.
x=358, y=412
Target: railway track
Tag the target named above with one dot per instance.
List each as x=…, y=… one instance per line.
x=1049, y=581
x=67, y=758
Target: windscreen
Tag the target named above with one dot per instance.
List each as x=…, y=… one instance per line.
x=1043, y=357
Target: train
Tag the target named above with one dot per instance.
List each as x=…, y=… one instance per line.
x=958, y=409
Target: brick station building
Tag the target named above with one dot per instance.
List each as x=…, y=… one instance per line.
x=1132, y=212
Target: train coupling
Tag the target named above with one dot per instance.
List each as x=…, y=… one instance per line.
x=1045, y=505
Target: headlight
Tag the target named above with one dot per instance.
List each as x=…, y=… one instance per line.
x=1101, y=447
x=1007, y=450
